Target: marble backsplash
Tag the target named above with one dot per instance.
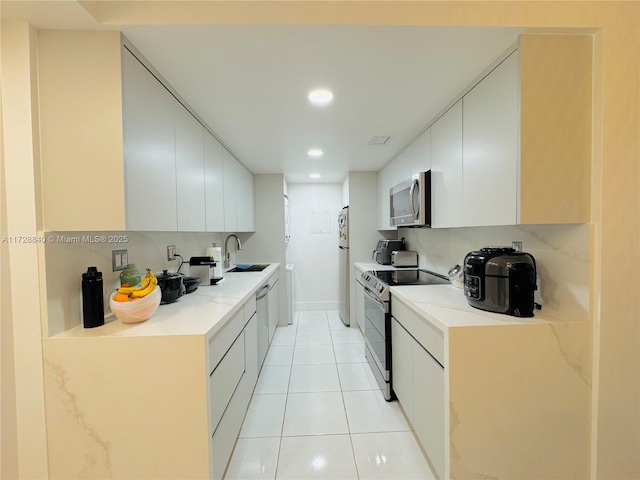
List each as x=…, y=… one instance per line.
x=561, y=253
x=66, y=261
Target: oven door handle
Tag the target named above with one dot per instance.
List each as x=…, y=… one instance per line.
x=380, y=303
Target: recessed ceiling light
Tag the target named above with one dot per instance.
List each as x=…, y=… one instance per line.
x=315, y=175
x=315, y=152
x=321, y=96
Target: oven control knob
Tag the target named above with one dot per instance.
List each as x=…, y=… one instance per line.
x=379, y=288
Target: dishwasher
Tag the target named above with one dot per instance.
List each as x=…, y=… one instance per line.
x=262, y=313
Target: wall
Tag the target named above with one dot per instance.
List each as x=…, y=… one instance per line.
x=314, y=255
x=66, y=262
x=21, y=160
x=267, y=244
x=561, y=253
x=8, y=426
x=363, y=236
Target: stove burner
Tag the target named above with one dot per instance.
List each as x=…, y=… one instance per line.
x=379, y=281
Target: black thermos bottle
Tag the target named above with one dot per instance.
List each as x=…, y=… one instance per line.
x=92, y=298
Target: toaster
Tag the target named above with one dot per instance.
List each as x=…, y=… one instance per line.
x=404, y=258
x=501, y=280
x=382, y=253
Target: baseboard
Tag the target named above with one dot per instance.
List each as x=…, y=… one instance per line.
x=306, y=306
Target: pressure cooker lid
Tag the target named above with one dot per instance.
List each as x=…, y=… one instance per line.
x=497, y=250
x=165, y=275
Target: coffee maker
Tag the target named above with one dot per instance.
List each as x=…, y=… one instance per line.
x=501, y=280
x=203, y=268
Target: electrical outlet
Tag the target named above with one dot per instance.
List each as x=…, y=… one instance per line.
x=171, y=252
x=119, y=259
x=517, y=246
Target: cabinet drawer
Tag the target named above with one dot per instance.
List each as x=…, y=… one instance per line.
x=219, y=344
x=224, y=380
x=424, y=332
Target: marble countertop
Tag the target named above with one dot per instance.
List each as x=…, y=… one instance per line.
x=445, y=306
x=202, y=312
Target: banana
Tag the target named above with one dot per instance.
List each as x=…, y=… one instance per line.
x=144, y=283
x=143, y=293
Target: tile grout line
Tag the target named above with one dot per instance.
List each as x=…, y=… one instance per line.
x=286, y=401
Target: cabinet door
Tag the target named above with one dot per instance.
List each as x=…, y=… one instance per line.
x=402, y=367
x=384, y=184
x=446, y=169
x=231, y=180
x=189, y=171
x=490, y=148
x=149, y=150
x=428, y=405
x=421, y=153
x=274, y=308
x=360, y=305
x=225, y=379
x=400, y=167
x=245, y=207
x=251, y=353
x=214, y=184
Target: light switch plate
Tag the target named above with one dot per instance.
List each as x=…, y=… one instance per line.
x=119, y=259
x=171, y=252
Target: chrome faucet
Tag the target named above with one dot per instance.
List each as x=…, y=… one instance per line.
x=227, y=256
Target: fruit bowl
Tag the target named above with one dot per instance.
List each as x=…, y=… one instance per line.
x=136, y=311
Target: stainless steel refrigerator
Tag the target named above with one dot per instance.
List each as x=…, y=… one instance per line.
x=343, y=265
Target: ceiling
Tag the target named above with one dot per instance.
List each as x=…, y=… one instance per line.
x=249, y=83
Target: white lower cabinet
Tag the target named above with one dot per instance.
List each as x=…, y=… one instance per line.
x=274, y=306
x=402, y=367
x=359, y=304
x=418, y=380
x=231, y=385
x=225, y=379
x=428, y=405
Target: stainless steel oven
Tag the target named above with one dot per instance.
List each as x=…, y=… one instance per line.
x=377, y=317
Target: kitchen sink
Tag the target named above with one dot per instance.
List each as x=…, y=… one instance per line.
x=255, y=267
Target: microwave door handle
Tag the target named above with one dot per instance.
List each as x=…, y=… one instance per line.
x=411, y=193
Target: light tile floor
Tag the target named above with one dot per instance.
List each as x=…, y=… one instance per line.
x=317, y=412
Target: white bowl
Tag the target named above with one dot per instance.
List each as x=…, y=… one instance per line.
x=136, y=311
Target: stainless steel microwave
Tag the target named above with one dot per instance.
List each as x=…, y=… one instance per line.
x=410, y=202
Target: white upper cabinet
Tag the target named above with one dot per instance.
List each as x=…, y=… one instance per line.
x=421, y=153
x=149, y=150
x=239, y=196
x=490, y=148
x=446, y=169
x=214, y=184
x=395, y=172
x=383, y=186
x=245, y=206
x=190, y=171
x=162, y=168
x=400, y=167
x=231, y=181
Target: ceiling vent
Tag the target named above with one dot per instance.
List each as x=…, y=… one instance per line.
x=379, y=140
